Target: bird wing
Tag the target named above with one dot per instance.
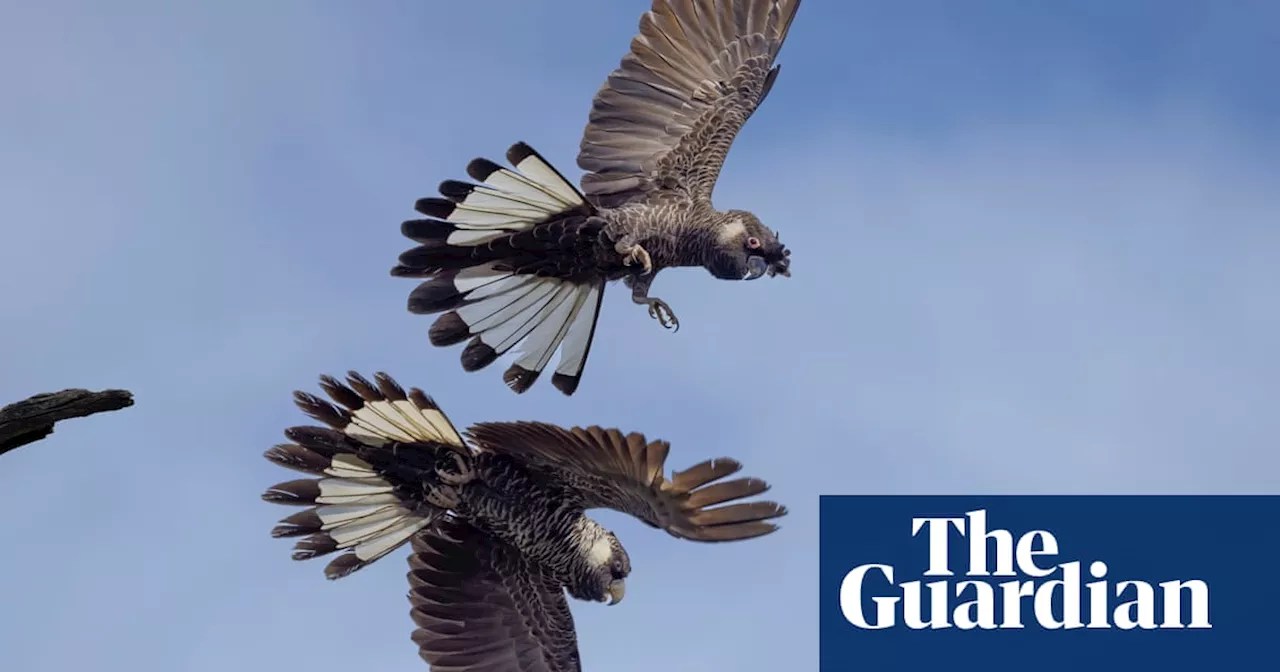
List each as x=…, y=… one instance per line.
x=479, y=605
x=624, y=472
x=665, y=118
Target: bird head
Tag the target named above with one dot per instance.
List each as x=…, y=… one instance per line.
x=607, y=568
x=746, y=249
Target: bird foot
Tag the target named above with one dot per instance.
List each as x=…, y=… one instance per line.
x=632, y=254
x=660, y=311
x=442, y=496
x=455, y=470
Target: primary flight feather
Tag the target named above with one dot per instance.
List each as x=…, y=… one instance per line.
x=496, y=521
x=517, y=261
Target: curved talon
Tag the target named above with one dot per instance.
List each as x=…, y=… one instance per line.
x=462, y=473
x=660, y=311
x=636, y=253
x=443, y=497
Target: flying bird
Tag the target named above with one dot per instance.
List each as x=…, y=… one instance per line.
x=496, y=522
x=519, y=258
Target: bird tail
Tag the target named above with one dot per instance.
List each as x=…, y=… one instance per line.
x=492, y=256
x=375, y=460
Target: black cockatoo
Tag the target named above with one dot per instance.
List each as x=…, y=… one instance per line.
x=522, y=258
x=497, y=523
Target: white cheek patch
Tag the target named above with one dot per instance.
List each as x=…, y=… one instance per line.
x=600, y=553
x=733, y=229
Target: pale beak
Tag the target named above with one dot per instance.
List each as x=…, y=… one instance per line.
x=756, y=267
x=617, y=591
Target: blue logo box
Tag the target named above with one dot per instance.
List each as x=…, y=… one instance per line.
x=1056, y=583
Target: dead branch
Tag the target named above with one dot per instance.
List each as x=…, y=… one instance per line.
x=33, y=419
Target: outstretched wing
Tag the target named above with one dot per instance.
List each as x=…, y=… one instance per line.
x=481, y=606
x=626, y=473
x=665, y=119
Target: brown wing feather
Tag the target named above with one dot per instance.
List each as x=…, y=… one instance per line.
x=624, y=472
x=480, y=606
x=664, y=120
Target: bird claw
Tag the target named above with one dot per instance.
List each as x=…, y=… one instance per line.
x=461, y=472
x=637, y=254
x=660, y=311
x=443, y=497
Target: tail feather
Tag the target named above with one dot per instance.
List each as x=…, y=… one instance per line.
x=471, y=224
x=371, y=463
x=497, y=260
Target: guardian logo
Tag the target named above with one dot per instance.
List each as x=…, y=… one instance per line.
x=1051, y=592
x=1050, y=583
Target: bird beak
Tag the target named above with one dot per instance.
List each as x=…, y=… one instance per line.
x=617, y=591
x=782, y=266
x=756, y=267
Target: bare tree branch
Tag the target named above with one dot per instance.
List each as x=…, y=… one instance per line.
x=33, y=419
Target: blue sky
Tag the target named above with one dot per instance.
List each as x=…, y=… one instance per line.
x=1034, y=252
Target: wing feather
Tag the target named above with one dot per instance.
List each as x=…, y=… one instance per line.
x=479, y=605
x=664, y=120
x=625, y=472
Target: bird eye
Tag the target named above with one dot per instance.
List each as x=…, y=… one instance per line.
x=753, y=243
